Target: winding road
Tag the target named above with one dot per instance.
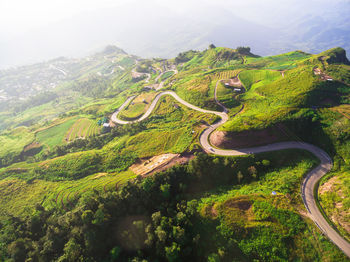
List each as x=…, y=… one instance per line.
x=309, y=183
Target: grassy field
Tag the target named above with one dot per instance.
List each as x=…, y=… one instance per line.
x=167, y=75
x=226, y=74
x=55, y=135
x=228, y=97
x=138, y=106
x=342, y=109
x=255, y=78
x=46, y=112
x=196, y=88
x=260, y=221
x=279, y=62
x=274, y=101
x=279, y=90
x=172, y=128
x=13, y=142
x=333, y=197
x=82, y=128
x=19, y=197
x=101, y=107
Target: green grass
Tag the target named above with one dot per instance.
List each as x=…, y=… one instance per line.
x=55, y=135
x=93, y=129
x=339, y=72
x=82, y=128
x=167, y=75
x=256, y=78
x=196, y=88
x=334, y=200
x=260, y=222
x=137, y=106
x=13, y=142
x=101, y=107
x=39, y=115
x=19, y=198
x=279, y=62
x=215, y=57
x=274, y=101
x=272, y=224
x=169, y=129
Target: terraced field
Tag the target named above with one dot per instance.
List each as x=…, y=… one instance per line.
x=226, y=74
x=279, y=62
x=166, y=75
x=137, y=106
x=256, y=78
x=54, y=194
x=55, y=135
x=15, y=141
x=67, y=192
x=343, y=109
x=82, y=128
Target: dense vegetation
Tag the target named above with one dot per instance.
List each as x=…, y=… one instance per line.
x=67, y=193
x=142, y=221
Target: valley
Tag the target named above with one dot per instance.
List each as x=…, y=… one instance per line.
x=136, y=109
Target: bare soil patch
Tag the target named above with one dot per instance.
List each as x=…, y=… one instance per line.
x=100, y=175
x=233, y=82
x=179, y=160
x=340, y=216
x=228, y=140
x=159, y=163
x=323, y=76
x=328, y=185
x=241, y=204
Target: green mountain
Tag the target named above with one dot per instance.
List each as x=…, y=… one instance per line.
x=81, y=179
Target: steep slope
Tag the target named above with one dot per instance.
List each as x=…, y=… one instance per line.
x=295, y=95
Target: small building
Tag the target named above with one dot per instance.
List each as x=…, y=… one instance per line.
x=237, y=89
x=106, y=125
x=329, y=79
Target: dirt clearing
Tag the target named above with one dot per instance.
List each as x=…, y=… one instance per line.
x=229, y=140
x=159, y=163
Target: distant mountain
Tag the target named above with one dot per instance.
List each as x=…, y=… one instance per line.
x=154, y=29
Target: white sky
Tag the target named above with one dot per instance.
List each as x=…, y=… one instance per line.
x=18, y=16
x=32, y=30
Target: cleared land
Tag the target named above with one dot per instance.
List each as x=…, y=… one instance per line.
x=82, y=128
x=55, y=135
x=147, y=166
x=137, y=106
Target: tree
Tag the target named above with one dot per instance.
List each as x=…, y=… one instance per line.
x=239, y=176
x=211, y=46
x=243, y=50
x=252, y=171
x=18, y=249
x=172, y=252
x=72, y=251
x=165, y=188
x=265, y=162
x=115, y=252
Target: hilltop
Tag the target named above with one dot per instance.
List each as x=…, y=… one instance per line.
x=79, y=181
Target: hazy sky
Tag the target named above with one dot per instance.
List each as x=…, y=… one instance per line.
x=23, y=15
x=33, y=30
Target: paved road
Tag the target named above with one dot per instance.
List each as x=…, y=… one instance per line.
x=161, y=84
x=308, y=184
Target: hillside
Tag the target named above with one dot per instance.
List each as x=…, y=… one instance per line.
x=103, y=158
